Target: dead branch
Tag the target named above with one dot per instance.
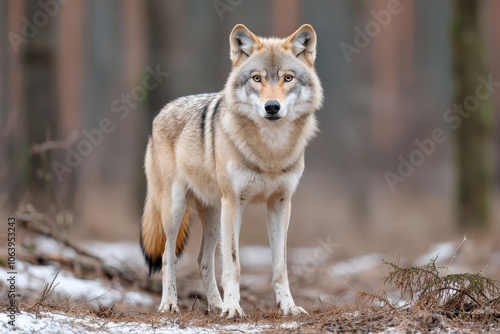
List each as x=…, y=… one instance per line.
x=50, y=145
x=30, y=224
x=85, y=264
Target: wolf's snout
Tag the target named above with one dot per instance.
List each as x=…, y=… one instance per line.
x=272, y=107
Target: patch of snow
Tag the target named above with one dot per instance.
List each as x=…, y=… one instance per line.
x=116, y=254
x=128, y=254
x=290, y=325
x=298, y=253
x=495, y=257
x=34, y=278
x=258, y=256
x=444, y=251
x=255, y=280
x=356, y=265
x=61, y=323
x=50, y=246
x=240, y=328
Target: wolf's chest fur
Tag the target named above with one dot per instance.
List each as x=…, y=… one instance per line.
x=258, y=164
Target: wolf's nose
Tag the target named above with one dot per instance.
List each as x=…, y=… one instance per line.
x=272, y=107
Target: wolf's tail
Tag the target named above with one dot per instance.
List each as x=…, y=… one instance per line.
x=152, y=233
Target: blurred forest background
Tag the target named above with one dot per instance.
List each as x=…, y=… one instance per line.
x=67, y=67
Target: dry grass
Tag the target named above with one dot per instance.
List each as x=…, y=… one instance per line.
x=431, y=301
x=460, y=294
x=416, y=298
x=422, y=299
x=47, y=291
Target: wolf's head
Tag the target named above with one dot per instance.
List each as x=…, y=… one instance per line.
x=273, y=79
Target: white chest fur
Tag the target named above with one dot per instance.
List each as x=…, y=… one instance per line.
x=250, y=184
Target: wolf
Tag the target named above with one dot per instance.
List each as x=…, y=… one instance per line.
x=212, y=154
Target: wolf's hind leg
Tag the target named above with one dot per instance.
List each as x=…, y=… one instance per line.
x=173, y=209
x=210, y=219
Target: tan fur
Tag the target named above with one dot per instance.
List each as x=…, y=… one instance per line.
x=217, y=152
x=153, y=235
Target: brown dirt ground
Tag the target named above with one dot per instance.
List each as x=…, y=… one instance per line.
x=335, y=305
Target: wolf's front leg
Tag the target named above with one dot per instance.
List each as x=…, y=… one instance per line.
x=230, y=231
x=278, y=217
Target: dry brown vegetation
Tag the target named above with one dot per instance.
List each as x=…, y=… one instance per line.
x=426, y=298
x=414, y=299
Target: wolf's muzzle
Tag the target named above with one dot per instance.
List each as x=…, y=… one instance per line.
x=272, y=109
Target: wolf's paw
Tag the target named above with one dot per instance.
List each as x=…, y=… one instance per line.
x=215, y=308
x=171, y=307
x=293, y=310
x=232, y=312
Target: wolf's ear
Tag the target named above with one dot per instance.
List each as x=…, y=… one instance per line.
x=303, y=43
x=243, y=43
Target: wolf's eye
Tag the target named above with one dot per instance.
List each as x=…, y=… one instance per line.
x=288, y=78
x=256, y=78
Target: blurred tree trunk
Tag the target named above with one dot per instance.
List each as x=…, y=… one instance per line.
x=13, y=162
x=387, y=123
x=40, y=95
x=135, y=48
x=3, y=63
x=358, y=154
x=12, y=134
x=474, y=136
x=4, y=102
x=493, y=9
x=285, y=17
x=164, y=31
x=71, y=69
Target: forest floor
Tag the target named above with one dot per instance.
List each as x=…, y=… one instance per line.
x=64, y=286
